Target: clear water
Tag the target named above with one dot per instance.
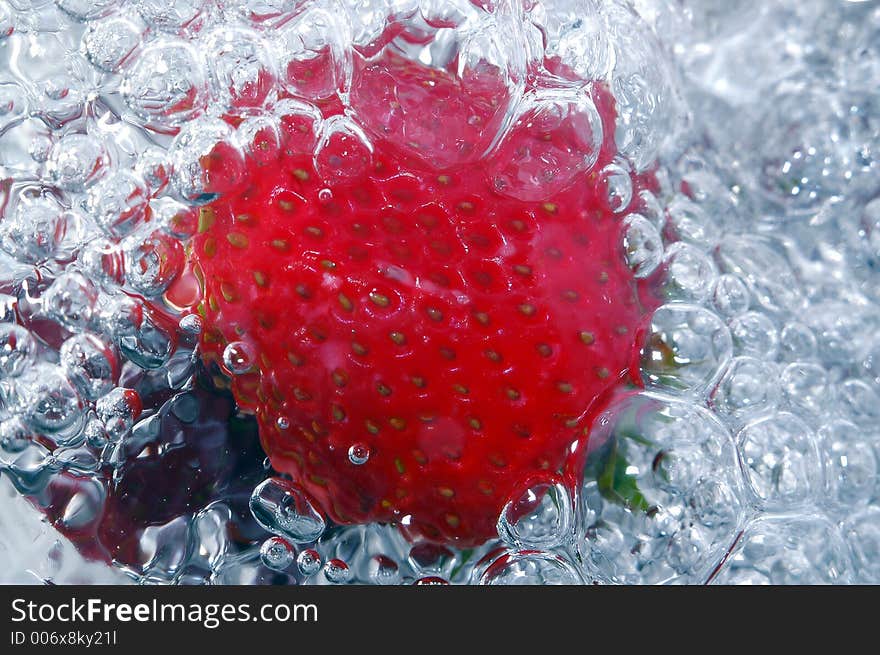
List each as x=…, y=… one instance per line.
x=751, y=456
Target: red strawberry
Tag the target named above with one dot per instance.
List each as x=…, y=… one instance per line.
x=419, y=343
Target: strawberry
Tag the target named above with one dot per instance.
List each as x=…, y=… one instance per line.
x=419, y=338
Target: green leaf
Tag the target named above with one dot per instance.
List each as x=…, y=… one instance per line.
x=465, y=557
x=615, y=484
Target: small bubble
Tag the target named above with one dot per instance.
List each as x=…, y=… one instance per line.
x=282, y=422
x=690, y=274
x=282, y=508
x=730, y=295
x=337, y=571
x=242, y=72
x=166, y=83
x=77, y=161
x=91, y=364
x=170, y=15
x=85, y=10
x=17, y=350
x=797, y=342
x=152, y=263
x=309, y=562
x=359, y=454
x=261, y=138
x=154, y=168
x=14, y=435
x=277, y=553
x=191, y=324
x=344, y=151
x=108, y=43
x=431, y=581
x=118, y=203
x=118, y=410
x=642, y=245
x=325, y=195
x=71, y=300
x=51, y=402
x=540, y=517
x=755, y=334
x=34, y=230
x=383, y=570
x=238, y=357
x=617, y=185
x=207, y=161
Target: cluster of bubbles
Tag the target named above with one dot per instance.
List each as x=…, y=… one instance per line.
x=749, y=457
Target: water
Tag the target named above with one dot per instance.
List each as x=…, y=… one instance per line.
x=750, y=456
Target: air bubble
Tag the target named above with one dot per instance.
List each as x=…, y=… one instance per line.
x=781, y=461
x=797, y=342
x=530, y=568
x=337, y=571
x=71, y=300
x=850, y=466
x=383, y=570
x=359, y=454
x=118, y=203
x=311, y=54
x=53, y=405
x=260, y=138
x=139, y=336
x=690, y=223
x=241, y=71
x=556, y=137
x=90, y=363
x=541, y=517
x=617, y=186
x=191, y=324
x=13, y=99
x=177, y=219
x=85, y=10
x=431, y=581
x=806, y=386
x=14, y=436
x=689, y=273
x=687, y=348
x=238, y=357
x=207, y=161
x=343, y=152
x=118, y=411
x=36, y=229
x=754, y=334
x=730, y=295
x=152, y=264
x=642, y=244
x=107, y=44
x=77, y=161
x=860, y=402
x=749, y=387
x=18, y=350
x=309, y=562
x=277, y=553
x=170, y=15
x=282, y=508
x=154, y=168
x=165, y=86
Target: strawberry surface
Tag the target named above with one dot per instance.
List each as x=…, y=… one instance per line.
x=418, y=342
